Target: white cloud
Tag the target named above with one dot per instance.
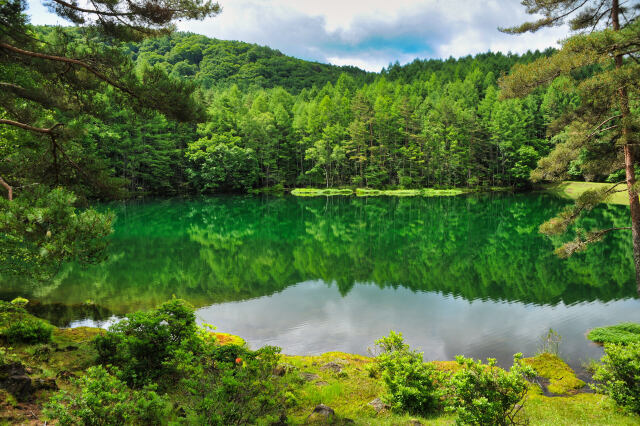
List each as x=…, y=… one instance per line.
x=369, y=34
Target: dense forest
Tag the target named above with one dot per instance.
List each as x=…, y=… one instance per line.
x=276, y=121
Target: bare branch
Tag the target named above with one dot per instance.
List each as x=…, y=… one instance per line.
x=9, y=188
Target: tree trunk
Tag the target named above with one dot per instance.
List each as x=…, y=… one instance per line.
x=629, y=157
x=9, y=188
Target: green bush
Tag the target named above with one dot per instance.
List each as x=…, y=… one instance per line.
x=106, y=400
x=143, y=344
x=411, y=384
x=17, y=326
x=233, y=385
x=488, y=395
x=619, y=375
x=626, y=332
x=218, y=384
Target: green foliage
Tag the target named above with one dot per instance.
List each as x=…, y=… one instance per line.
x=232, y=385
x=41, y=229
x=488, y=395
x=619, y=374
x=624, y=333
x=143, y=345
x=219, y=384
x=218, y=167
x=17, y=326
x=104, y=399
x=412, y=385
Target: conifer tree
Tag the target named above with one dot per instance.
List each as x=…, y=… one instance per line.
x=601, y=135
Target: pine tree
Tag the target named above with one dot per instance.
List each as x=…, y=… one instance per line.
x=602, y=60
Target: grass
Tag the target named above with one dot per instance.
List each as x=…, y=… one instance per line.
x=626, y=332
x=350, y=391
x=573, y=190
x=369, y=192
x=366, y=192
x=430, y=192
x=347, y=387
x=315, y=192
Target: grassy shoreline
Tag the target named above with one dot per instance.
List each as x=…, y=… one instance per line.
x=572, y=190
x=368, y=192
x=342, y=381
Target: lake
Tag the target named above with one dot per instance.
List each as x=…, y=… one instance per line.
x=457, y=275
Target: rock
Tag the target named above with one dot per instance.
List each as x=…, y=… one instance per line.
x=65, y=375
x=414, y=422
x=332, y=366
x=321, y=383
x=282, y=369
x=309, y=377
x=47, y=384
x=321, y=414
x=14, y=379
x=379, y=405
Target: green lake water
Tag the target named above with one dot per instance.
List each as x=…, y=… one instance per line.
x=457, y=275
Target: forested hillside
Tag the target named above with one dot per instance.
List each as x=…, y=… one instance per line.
x=276, y=121
x=218, y=63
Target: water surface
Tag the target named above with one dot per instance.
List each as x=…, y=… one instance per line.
x=458, y=275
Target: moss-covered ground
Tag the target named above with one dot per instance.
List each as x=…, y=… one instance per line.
x=345, y=382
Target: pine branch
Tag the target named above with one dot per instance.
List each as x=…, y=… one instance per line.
x=23, y=126
x=92, y=11
x=72, y=61
x=580, y=244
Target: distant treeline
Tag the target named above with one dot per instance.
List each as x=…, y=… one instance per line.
x=276, y=121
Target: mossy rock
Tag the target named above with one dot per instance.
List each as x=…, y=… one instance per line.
x=562, y=379
x=624, y=333
x=78, y=334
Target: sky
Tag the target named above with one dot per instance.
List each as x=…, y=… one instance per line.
x=369, y=34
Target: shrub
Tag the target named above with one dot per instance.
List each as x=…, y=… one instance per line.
x=488, y=395
x=17, y=326
x=626, y=332
x=142, y=345
x=619, y=375
x=218, y=384
x=233, y=385
x=411, y=384
x=106, y=400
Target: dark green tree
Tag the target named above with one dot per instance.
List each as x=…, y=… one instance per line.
x=50, y=81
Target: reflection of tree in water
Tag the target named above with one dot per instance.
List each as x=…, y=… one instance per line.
x=233, y=248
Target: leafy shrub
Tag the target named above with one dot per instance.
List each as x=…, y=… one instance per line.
x=106, y=400
x=233, y=385
x=221, y=384
x=626, y=332
x=488, y=395
x=143, y=344
x=17, y=326
x=619, y=375
x=411, y=384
